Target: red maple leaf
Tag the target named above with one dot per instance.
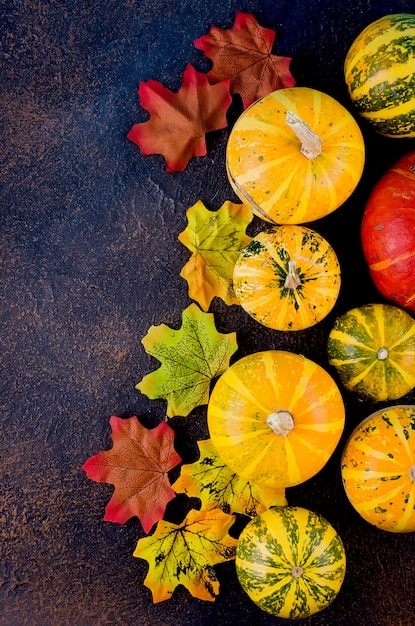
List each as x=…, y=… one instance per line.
x=179, y=120
x=243, y=55
x=137, y=465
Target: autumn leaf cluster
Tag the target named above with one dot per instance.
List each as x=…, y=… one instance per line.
x=141, y=460
x=242, y=63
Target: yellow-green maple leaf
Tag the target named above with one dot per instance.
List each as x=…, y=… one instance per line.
x=184, y=554
x=217, y=486
x=190, y=358
x=215, y=239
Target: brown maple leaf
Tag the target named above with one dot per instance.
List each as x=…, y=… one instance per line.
x=137, y=465
x=179, y=121
x=243, y=55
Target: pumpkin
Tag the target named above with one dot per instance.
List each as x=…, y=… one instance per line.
x=372, y=348
x=275, y=418
x=378, y=469
x=290, y=561
x=294, y=156
x=380, y=74
x=388, y=233
x=287, y=277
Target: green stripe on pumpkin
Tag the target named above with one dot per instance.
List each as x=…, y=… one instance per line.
x=380, y=74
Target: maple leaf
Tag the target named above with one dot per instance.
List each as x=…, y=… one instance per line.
x=217, y=486
x=190, y=358
x=186, y=553
x=243, y=55
x=215, y=239
x=137, y=465
x=179, y=121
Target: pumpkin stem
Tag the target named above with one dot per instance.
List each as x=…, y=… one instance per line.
x=311, y=144
x=281, y=422
x=292, y=280
x=297, y=571
x=412, y=473
x=382, y=354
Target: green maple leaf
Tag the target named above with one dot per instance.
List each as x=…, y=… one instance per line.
x=186, y=553
x=190, y=358
x=215, y=239
x=217, y=486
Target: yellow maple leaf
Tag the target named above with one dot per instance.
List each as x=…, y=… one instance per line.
x=217, y=486
x=215, y=238
x=186, y=553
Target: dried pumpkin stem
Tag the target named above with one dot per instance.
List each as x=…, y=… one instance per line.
x=383, y=354
x=311, y=143
x=292, y=280
x=412, y=473
x=281, y=422
x=297, y=571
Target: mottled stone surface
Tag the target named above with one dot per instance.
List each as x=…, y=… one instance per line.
x=90, y=260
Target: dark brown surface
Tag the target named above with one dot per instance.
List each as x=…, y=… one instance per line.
x=90, y=260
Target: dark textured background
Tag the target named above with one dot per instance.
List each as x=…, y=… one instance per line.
x=90, y=260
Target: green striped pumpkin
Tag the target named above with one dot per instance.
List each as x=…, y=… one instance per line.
x=372, y=348
x=290, y=561
x=380, y=74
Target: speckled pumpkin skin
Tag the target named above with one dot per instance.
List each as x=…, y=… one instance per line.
x=357, y=339
x=261, y=271
x=269, y=173
x=379, y=72
x=378, y=469
x=290, y=561
x=255, y=387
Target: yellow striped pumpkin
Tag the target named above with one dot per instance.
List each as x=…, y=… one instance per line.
x=295, y=156
x=290, y=561
x=378, y=469
x=372, y=348
x=287, y=277
x=380, y=74
x=275, y=418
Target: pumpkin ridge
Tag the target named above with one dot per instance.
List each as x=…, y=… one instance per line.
x=266, y=450
x=362, y=374
x=291, y=460
x=307, y=444
x=403, y=336
x=400, y=431
x=381, y=501
x=283, y=187
x=390, y=262
x=405, y=376
x=237, y=385
x=406, y=173
x=410, y=506
x=377, y=35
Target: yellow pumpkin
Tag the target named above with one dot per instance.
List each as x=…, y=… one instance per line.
x=295, y=156
x=287, y=277
x=378, y=469
x=275, y=418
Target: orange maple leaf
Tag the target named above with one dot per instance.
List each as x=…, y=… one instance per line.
x=179, y=120
x=243, y=55
x=137, y=465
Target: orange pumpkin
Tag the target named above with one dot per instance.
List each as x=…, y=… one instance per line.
x=378, y=469
x=295, y=156
x=275, y=418
x=287, y=277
